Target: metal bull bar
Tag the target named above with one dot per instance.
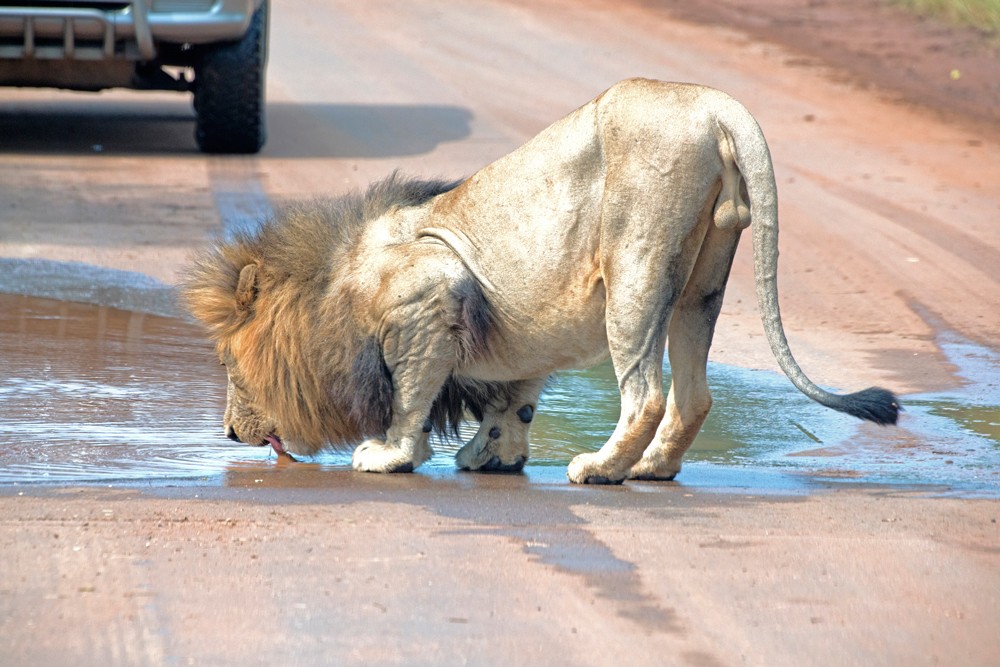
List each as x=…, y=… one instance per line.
x=85, y=33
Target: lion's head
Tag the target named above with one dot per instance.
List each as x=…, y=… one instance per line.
x=279, y=305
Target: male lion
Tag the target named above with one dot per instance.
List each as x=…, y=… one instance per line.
x=391, y=314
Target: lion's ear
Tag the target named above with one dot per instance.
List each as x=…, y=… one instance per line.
x=246, y=288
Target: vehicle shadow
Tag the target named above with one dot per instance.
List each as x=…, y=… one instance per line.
x=362, y=130
x=116, y=127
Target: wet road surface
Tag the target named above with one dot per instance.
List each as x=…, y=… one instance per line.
x=95, y=394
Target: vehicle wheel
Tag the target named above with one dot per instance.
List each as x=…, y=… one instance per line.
x=229, y=92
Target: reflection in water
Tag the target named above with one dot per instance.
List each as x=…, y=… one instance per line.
x=95, y=394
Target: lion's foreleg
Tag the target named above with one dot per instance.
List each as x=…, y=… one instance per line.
x=406, y=444
x=417, y=377
x=501, y=444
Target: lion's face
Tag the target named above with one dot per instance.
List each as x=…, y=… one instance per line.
x=243, y=420
x=264, y=326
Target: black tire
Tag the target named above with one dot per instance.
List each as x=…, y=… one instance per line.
x=229, y=92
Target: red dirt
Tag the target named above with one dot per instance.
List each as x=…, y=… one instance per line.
x=906, y=57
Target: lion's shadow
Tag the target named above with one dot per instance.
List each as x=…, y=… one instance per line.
x=533, y=510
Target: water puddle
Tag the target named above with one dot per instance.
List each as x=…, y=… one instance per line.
x=95, y=394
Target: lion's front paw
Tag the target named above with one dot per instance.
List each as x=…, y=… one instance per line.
x=494, y=450
x=592, y=469
x=469, y=459
x=648, y=469
x=377, y=456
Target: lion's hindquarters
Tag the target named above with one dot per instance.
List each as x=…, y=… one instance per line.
x=654, y=226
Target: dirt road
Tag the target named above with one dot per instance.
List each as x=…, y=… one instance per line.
x=489, y=570
x=889, y=204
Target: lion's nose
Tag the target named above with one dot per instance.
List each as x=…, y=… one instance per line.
x=231, y=434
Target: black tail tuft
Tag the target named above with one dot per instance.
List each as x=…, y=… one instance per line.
x=873, y=404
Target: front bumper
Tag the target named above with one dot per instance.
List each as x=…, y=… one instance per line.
x=90, y=30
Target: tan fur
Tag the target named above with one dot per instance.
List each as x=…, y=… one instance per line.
x=384, y=315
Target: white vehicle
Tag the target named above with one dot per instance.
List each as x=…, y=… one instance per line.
x=149, y=45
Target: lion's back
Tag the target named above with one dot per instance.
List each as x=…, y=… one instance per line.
x=532, y=226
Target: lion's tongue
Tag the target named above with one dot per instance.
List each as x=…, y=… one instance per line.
x=276, y=444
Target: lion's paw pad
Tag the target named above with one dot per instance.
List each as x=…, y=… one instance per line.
x=653, y=477
x=651, y=471
x=496, y=465
x=601, y=479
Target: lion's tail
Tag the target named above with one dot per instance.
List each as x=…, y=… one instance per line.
x=748, y=149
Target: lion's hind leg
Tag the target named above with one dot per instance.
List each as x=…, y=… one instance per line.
x=643, y=407
x=690, y=336
x=501, y=444
x=650, y=243
x=637, y=312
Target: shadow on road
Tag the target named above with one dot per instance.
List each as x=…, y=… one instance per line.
x=362, y=130
x=80, y=126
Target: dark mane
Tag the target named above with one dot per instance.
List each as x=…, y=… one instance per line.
x=305, y=238
x=301, y=242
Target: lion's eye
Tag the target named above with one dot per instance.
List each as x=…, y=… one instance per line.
x=234, y=377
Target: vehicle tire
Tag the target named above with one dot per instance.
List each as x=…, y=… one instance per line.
x=229, y=92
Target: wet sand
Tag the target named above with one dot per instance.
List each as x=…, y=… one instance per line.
x=889, y=243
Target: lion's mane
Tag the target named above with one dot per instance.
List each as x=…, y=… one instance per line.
x=292, y=316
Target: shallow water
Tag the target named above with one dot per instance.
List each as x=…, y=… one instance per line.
x=94, y=394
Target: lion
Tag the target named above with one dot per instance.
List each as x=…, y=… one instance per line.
x=377, y=319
